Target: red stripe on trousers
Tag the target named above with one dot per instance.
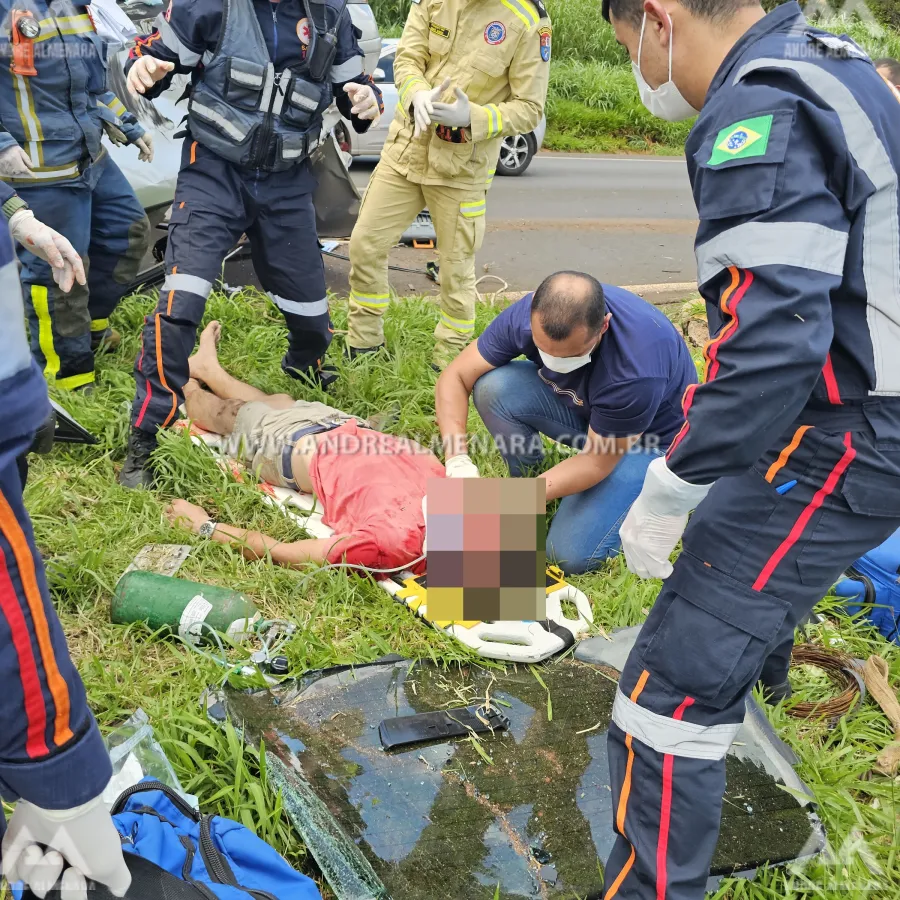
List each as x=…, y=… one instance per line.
x=803, y=520
x=831, y=385
x=35, y=705
x=665, y=812
x=146, y=403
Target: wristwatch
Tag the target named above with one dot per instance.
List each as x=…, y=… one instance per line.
x=12, y=206
x=208, y=529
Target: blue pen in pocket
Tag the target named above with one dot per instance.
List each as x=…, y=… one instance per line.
x=783, y=489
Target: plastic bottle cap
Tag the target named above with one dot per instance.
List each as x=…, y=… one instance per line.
x=279, y=666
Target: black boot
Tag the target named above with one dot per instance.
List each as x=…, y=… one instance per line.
x=773, y=694
x=325, y=376
x=136, y=472
x=356, y=352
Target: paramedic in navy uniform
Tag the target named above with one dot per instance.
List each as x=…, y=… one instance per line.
x=790, y=450
x=53, y=763
x=262, y=74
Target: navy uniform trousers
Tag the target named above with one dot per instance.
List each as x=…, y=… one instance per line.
x=754, y=563
x=215, y=203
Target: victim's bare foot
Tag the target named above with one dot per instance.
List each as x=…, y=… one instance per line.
x=207, y=355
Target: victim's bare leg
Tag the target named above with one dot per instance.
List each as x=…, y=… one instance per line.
x=205, y=367
x=208, y=410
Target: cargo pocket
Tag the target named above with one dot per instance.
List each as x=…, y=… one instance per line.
x=304, y=100
x=712, y=639
x=487, y=71
x=244, y=83
x=865, y=493
x=472, y=223
x=222, y=118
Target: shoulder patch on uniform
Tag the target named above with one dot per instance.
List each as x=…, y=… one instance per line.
x=541, y=8
x=749, y=137
x=546, y=34
x=842, y=46
x=439, y=30
x=495, y=33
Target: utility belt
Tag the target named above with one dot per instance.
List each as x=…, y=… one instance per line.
x=876, y=417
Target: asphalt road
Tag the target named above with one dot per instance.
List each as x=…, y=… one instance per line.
x=629, y=221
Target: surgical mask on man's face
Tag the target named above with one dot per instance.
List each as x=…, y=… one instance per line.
x=666, y=101
x=565, y=364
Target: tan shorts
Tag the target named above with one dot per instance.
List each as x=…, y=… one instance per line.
x=265, y=437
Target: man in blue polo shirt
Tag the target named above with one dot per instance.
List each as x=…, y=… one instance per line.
x=604, y=372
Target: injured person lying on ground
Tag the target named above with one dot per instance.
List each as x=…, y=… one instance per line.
x=374, y=506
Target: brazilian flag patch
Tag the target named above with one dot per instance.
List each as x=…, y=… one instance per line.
x=742, y=140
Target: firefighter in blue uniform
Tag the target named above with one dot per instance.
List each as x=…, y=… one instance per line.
x=54, y=111
x=52, y=758
x=262, y=75
x=791, y=448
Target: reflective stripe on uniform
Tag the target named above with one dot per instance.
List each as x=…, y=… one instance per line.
x=41, y=305
x=805, y=245
x=405, y=88
x=191, y=284
x=186, y=56
x=463, y=326
x=472, y=209
x=73, y=382
x=316, y=308
x=117, y=106
x=14, y=353
x=211, y=115
x=47, y=173
x=495, y=120
x=352, y=68
x=490, y=178
x=66, y=25
x=881, y=231
x=372, y=301
x=99, y=325
x=671, y=736
x=523, y=10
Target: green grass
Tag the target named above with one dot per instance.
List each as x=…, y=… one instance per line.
x=89, y=529
x=593, y=103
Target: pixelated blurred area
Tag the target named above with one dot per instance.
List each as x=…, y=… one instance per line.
x=486, y=549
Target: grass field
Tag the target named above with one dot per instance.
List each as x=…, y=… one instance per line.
x=89, y=529
x=593, y=103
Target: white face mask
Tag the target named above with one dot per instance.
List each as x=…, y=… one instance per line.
x=666, y=101
x=565, y=364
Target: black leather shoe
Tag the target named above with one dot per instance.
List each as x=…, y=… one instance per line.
x=136, y=472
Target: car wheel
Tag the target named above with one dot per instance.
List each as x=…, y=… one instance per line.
x=516, y=154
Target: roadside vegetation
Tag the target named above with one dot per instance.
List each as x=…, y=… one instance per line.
x=593, y=104
x=88, y=530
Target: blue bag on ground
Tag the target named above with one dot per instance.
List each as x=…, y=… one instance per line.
x=175, y=853
x=872, y=586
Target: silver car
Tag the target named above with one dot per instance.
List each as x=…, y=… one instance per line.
x=516, y=152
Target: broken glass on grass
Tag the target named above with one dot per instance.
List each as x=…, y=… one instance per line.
x=528, y=810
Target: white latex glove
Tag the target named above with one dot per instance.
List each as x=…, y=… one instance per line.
x=423, y=106
x=461, y=467
x=84, y=839
x=145, y=148
x=365, y=103
x=50, y=246
x=15, y=163
x=146, y=72
x=657, y=520
x=457, y=114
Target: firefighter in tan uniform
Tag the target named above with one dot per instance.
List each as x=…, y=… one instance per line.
x=489, y=62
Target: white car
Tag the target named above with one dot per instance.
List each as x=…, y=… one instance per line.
x=516, y=153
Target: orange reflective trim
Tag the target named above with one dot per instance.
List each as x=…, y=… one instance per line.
x=59, y=690
x=193, y=155
x=785, y=454
x=709, y=348
x=626, y=792
x=162, y=374
x=626, y=785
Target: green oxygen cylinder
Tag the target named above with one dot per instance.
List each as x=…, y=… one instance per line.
x=187, y=607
